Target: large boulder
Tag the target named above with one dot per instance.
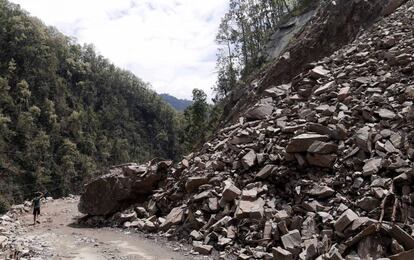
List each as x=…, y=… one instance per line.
x=120, y=187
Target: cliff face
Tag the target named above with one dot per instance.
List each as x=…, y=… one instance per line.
x=318, y=168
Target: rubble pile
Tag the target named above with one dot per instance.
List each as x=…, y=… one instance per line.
x=14, y=241
x=321, y=168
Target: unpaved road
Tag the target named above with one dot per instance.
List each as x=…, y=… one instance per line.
x=60, y=238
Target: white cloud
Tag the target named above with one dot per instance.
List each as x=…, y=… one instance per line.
x=169, y=43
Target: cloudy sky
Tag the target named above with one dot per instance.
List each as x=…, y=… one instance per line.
x=169, y=43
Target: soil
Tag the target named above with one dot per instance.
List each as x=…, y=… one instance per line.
x=59, y=237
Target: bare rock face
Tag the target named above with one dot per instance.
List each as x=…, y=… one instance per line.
x=120, y=187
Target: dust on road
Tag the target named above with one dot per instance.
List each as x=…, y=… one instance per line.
x=65, y=240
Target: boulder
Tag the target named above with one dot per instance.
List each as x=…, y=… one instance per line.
x=250, y=209
x=120, y=187
x=301, y=143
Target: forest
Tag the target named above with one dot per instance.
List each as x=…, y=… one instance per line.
x=66, y=111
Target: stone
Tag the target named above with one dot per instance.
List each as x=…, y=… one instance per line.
x=292, y=241
x=386, y=113
x=301, y=143
x=260, y=111
x=368, y=203
x=281, y=254
x=175, y=217
x=250, y=209
x=230, y=192
x=249, y=160
x=345, y=220
x=321, y=160
x=202, y=249
x=325, y=88
x=372, y=166
x=319, y=72
x=343, y=93
x=266, y=171
x=321, y=192
x=112, y=191
x=196, y=235
x=322, y=148
x=195, y=182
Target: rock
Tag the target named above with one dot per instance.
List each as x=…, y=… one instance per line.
x=281, y=254
x=321, y=160
x=372, y=166
x=325, y=88
x=386, y=114
x=345, y=220
x=249, y=160
x=260, y=111
x=195, y=182
x=301, y=143
x=319, y=72
x=266, y=171
x=321, y=192
x=202, y=249
x=175, y=217
x=250, y=209
x=322, y=148
x=292, y=241
x=230, y=192
x=116, y=189
x=196, y=235
x=343, y=93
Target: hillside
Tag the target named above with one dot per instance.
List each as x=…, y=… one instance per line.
x=66, y=111
x=178, y=104
x=320, y=167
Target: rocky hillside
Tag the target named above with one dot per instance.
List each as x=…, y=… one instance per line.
x=319, y=168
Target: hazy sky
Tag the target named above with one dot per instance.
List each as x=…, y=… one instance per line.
x=169, y=43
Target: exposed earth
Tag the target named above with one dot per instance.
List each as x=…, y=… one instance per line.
x=59, y=237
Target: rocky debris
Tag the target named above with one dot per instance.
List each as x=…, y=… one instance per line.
x=16, y=242
x=122, y=184
x=325, y=171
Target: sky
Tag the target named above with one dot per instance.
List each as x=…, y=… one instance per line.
x=167, y=43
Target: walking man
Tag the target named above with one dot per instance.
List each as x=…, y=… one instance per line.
x=36, y=207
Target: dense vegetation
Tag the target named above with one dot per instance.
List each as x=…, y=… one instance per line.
x=66, y=111
x=243, y=34
x=178, y=104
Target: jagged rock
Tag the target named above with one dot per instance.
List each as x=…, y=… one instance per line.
x=250, y=209
x=230, y=192
x=249, y=160
x=196, y=235
x=322, y=148
x=260, y=111
x=266, y=171
x=345, y=220
x=325, y=88
x=281, y=254
x=292, y=241
x=195, y=182
x=202, y=249
x=321, y=160
x=321, y=191
x=121, y=185
x=301, y=143
x=319, y=72
x=372, y=166
x=175, y=217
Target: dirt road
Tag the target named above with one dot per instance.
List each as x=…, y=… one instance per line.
x=57, y=237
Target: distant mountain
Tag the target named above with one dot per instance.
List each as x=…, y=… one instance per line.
x=177, y=104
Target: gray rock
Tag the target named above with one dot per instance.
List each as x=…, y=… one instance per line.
x=345, y=220
x=301, y=143
x=250, y=209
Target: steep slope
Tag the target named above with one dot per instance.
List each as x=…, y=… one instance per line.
x=178, y=104
x=335, y=24
x=66, y=111
x=319, y=168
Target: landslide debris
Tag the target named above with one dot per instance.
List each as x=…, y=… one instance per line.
x=319, y=168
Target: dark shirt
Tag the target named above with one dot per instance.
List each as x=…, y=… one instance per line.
x=36, y=203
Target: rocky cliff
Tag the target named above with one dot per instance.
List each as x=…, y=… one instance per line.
x=321, y=167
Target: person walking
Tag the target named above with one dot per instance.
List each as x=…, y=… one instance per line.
x=36, y=207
